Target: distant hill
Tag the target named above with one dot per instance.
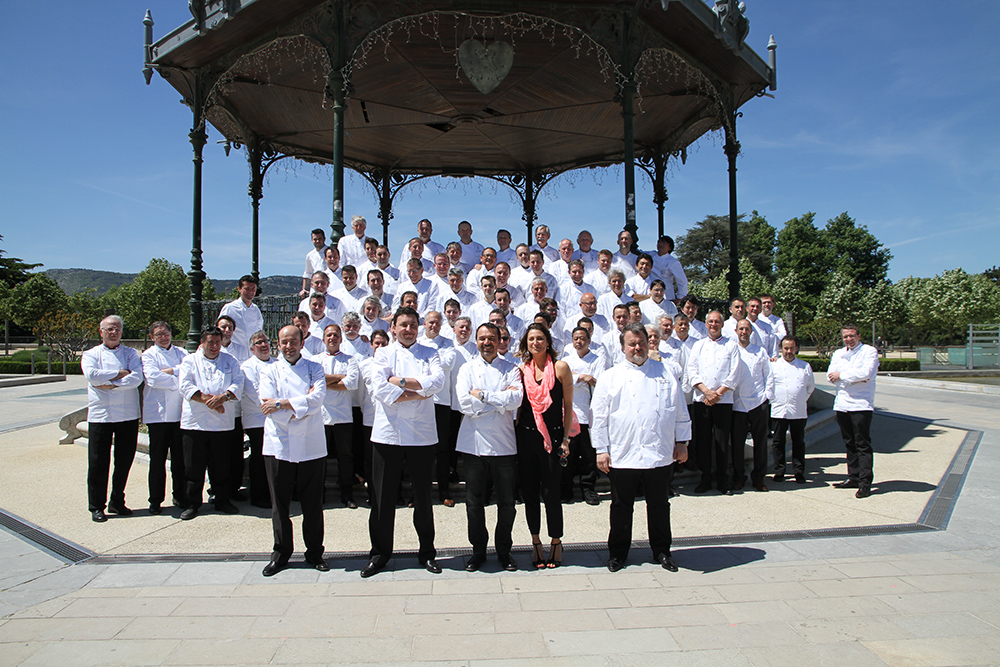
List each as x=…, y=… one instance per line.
x=76, y=280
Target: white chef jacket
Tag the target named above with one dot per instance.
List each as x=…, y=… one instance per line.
x=312, y=345
x=250, y=400
x=462, y=355
x=778, y=325
x=767, y=337
x=624, y=263
x=465, y=298
x=697, y=330
x=793, y=385
x=334, y=307
x=351, y=299
x=295, y=435
x=431, y=248
x=757, y=383
x=714, y=363
x=352, y=250
x=365, y=391
x=589, y=364
x=161, y=402
x=471, y=252
x=315, y=261
x=599, y=280
x=337, y=404
x=239, y=352
x=570, y=294
x=729, y=331
x=638, y=415
x=99, y=365
x=209, y=376
x=446, y=353
x=606, y=303
x=411, y=422
x=589, y=259
x=488, y=426
x=249, y=320
x=638, y=285
x=548, y=252
x=508, y=255
x=317, y=328
x=368, y=328
x=856, y=387
x=651, y=311
x=668, y=269
x=427, y=295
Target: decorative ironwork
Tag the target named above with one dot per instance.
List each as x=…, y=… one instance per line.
x=732, y=26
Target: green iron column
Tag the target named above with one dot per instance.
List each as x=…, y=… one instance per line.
x=198, y=137
x=732, y=149
x=255, y=151
x=530, y=214
x=628, y=115
x=335, y=89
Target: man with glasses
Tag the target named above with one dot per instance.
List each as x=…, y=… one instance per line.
x=113, y=372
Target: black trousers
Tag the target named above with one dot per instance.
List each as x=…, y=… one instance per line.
x=479, y=472
x=656, y=488
x=387, y=469
x=582, y=462
x=361, y=444
x=541, y=481
x=855, y=427
x=165, y=438
x=207, y=450
x=797, y=429
x=235, y=458
x=100, y=439
x=304, y=481
x=713, y=424
x=755, y=421
x=260, y=492
x=442, y=454
x=340, y=445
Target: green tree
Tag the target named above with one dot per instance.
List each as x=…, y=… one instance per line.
x=942, y=308
x=855, y=251
x=13, y=270
x=752, y=283
x=790, y=296
x=704, y=249
x=842, y=300
x=159, y=292
x=803, y=250
x=993, y=273
x=883, y=306
x=32, y=300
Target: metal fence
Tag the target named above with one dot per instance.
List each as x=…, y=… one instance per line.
x=277, y=312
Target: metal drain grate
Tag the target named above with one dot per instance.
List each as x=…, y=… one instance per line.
x=939, y=508
x=56, y=546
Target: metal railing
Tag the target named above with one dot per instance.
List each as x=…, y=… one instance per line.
x=277, y=312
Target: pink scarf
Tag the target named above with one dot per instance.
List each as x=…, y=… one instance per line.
x=540, y=395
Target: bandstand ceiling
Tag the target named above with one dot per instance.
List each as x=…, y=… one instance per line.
x=411, y=106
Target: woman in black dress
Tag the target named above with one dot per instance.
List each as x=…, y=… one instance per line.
x=543, y=424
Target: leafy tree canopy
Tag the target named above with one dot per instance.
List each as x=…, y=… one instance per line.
x=159, y=292
x=35, y=298
x=704, y=249
x=855, y=251
x=13, y=270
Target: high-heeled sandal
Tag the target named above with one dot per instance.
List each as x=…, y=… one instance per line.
x=538, y=557
x=555, y=555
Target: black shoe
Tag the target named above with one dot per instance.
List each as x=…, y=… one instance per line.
x=350, y=504
x=120, y=510
x=508, y=563
x=779, y=477
x=703, y=487
x=614, y=565
x=155, y=509
x=800, y=479
x=189, y=514
x=238, y=496
x=272, y=568
x=760, y=486
x=373, y=568
x=261, y=504
x=227, y=508
x=667, y=563
x=473, y=565
x=863, y=492
x=98, y=516
x=432, y=566
x=319, y=565
x=847, y=484
x=590, y=497
x=726, y=492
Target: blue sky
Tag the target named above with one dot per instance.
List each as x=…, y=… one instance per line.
x=884, y=110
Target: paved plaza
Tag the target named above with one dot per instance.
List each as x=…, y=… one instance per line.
x=802, y=574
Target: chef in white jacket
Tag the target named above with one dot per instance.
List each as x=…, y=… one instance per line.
x=793, y=385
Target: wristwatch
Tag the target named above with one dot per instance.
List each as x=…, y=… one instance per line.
x=402, y=383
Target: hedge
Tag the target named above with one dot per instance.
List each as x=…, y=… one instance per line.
x=24, y=367
x=822, y=364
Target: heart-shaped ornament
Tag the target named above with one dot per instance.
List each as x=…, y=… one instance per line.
x=485, y=66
